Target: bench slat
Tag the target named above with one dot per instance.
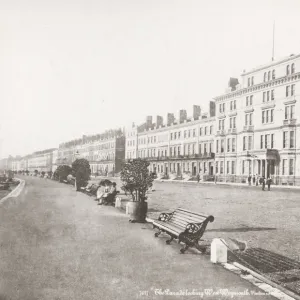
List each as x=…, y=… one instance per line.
x=192, y=213
x=178, y=222
x=191, y=219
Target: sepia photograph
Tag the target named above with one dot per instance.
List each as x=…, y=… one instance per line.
x=149, y=149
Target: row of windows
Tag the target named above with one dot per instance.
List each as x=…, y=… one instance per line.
x=288, y=139
x=290, y=90
x=230, y=167
x=231, y=145
x=288, y=167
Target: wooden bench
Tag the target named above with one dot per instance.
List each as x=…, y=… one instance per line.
x=186, y=226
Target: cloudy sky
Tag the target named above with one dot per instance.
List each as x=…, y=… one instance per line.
x=73, y=67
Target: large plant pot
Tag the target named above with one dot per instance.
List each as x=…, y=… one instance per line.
x=137, y=211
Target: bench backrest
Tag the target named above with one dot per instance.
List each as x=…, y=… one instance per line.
x=182, y=217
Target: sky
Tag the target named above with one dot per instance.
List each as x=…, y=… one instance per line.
x=74, y=67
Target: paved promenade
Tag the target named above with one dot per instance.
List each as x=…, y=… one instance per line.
x=57, y=244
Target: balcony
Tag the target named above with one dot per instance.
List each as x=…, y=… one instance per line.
x=249, y=128
x=232, y=131
x=221, y=132
x=290, y=122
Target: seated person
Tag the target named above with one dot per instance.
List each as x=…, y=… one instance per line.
x=103, y=193
x=111, y=194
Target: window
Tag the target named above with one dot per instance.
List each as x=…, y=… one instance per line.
x=272, y=115
x=291, y=168
x=287, y=90
x=223, y=107
x=233, y=144
x=189, y=133
x=179, y=134
x=194, y=132
x=293, y=69
x=230, y=123
x=251, y=100
x=244, y=143
x=205, y=149
x=263, y=117
x=185, y=134
x=292, y=90
x=234, y=104
x=273, y=74
x=217, y=167
x=217, y=146
x=285, y=139
x=233, y=167
x=252, y=80
x=292, y=139
x=264, y=96
x=171, y=136
x=222, y=146
x=211, y=129
x=205, y=130
x=248, y=82
x=289, y=112
x=200, y=148
x=231, y=106
x=249, y=142
x=287, y=70
x=228, y=167
x=221, y=167
x=200, y=132
x=265, y=77
x=175, y=135
x=243, y=167
x=210, y=147
x=261, y=142
x=266, y=141
x=284, y=167
x=272, y=95
x=268, y=95
x=178, y=150
x=247, y=101
x=272, y=140
x=228, y=145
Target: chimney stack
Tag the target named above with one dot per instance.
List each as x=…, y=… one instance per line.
x=196, y=112
x=182, y=115
x=170, y=119
x=212, y=108
x=159, y=121
x=149, y=122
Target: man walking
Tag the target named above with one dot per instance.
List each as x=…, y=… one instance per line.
x=269, y=183
x=249, y=179
x=263, y=183
x=198, y=177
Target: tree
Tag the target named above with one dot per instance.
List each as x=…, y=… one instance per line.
x=62, y=172
x=81, y=171
x=136, y=179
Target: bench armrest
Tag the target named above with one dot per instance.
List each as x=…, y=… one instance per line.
x=192, y=227
x=165, y=217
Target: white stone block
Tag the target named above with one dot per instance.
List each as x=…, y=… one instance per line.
x=218, y=252
x=118, y=202
x=127, y=208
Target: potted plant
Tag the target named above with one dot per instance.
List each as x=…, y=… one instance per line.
x=136, y=181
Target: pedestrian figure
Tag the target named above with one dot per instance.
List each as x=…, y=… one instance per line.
x=257, y=180
x=249, y=179
x=263, y=183
x=253, y=179
x=198, y=177
x=269, y=183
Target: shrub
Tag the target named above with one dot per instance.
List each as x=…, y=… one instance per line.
x=136, y=179
x=81, y=171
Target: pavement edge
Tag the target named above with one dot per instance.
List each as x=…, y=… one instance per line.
x=15, y=192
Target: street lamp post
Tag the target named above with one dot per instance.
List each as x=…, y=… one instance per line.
x=76, y=155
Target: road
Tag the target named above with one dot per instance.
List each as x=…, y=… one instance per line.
x=57, y=244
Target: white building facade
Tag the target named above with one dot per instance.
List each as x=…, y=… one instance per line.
x=257, y=125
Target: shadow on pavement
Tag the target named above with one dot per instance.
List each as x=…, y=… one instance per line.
x=241, y=229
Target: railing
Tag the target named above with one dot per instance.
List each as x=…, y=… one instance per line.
x=221, y=132
x=289, y=122
x=232, y=130
x=248, y=128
